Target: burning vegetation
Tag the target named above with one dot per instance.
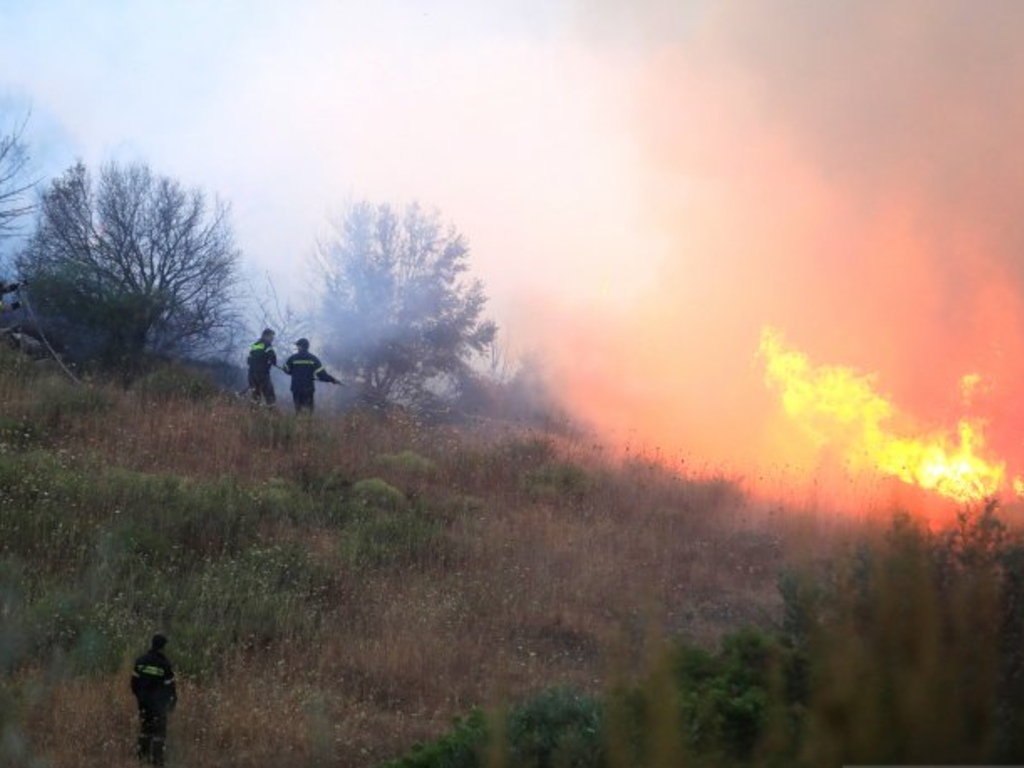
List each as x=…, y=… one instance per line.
x=837, y=407
x=340, y=587
x=336, y=591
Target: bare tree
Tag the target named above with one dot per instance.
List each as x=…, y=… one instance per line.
x=403, y=319
x=15, y=187
x=133, y=264
x=288, y=322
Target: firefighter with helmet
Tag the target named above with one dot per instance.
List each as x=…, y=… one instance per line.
x=305, y=369
x=153, y=687
x=6, y=288
x=262, y=358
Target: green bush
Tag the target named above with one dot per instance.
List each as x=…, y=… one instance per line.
x=504, y=464
x=558, y=728
x=18, y=366
x=55, y=513
x=165, y=519
x=263, y=596
x=557, y=481
x=725, y=698
x=91, y=635
x=91, y=620
x=909, y=652
x=14, y=578
x=57, y=401
x=17, y=433
x=330, y=498
x=375, y=495
x=267, y=428
x=280, y=499
x=391, y=538
x=16, y=750
x=463, y=747
x=170, y=382
x=523, y=453
x=408, y=462
x=117, y=552
x=383, y=529
x=42, y=518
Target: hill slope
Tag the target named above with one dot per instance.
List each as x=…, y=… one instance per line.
x=334, y=588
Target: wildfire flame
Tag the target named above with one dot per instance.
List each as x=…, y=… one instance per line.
x=840, y=408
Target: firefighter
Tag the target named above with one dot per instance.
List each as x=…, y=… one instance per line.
x=6, y=288
x=262, y=358
x=304, y=368
x=153, y=686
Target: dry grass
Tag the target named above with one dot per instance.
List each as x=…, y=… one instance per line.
x=552, y=558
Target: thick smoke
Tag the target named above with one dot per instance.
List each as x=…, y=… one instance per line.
x=847, y=172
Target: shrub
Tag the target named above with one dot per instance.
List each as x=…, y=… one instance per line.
x=910, y=645
x=13, y=585
x=504, y=464
x=907, y=651
x=116, y=552
x=558, y=728
x=16, y=365
x=715, y=708
x=279, y=499
x=176, y=382
x=17, y=433
x=525, y=453
x=91, y=635
x=269, y=429
x=164, y=519
x=330, y=498
x=375, y=495
x=391, y=538
x=57, y=401
x=557, y=481
x=249, y=602
x=42, y=520
x=463, y=747
x=16, y=749
x=408, y=462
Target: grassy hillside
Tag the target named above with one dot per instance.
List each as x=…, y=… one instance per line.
x=335, y=589
x=339, y=589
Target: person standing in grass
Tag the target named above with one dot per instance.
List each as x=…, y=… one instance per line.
x=153, y=686
x=262, y=358
x=305, y=369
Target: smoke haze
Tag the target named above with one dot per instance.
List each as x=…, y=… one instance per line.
x=644, y=186
x=848, y=172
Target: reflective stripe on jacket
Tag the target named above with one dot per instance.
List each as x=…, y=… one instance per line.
x=305, y=367
x=262, y=357
x=153, y=680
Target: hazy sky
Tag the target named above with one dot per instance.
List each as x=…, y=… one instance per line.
x=494, y=112
x=644, y=185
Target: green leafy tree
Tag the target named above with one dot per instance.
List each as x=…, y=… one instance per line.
x=403, y=319
x=130, y=265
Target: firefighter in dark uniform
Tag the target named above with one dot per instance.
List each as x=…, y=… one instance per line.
x=153, y=686
x=262, y=358
x=305, y=368
x=6, y=288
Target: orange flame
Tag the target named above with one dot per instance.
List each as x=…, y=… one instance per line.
x=838, y=407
